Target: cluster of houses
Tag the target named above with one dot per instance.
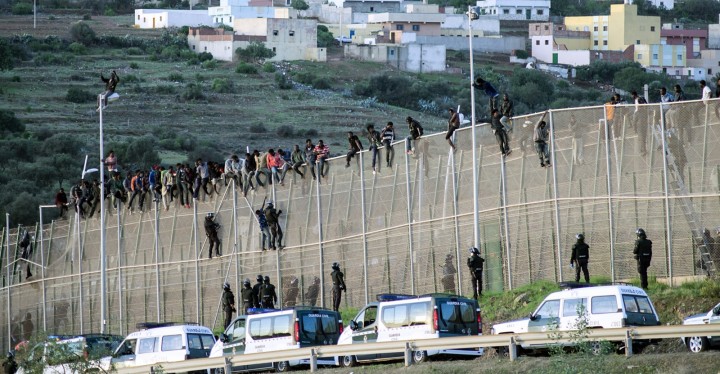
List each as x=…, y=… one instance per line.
x=414, y=35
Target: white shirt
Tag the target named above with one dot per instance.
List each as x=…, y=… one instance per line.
x=706, y=94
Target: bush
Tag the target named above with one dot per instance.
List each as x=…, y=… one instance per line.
x=305, y=77
x=268, y=67
x=52, y=59
x=212, y=64
x=8, y=122
x=130, y=78
x=22, y=9
x=87, y=17
x=77, y=48
x=285, y=131
x=109, y=12
x=521, y=53
x=82, y=33
x=311, y=133
x=15, y=78
x=175, y=77
x=283, y=82
x=223, y=85
x=134, y=65
x=244, y=68
x=255, y=52
x=193, y=92
x=204, y=56
x=78, y=96
x=322, y=83
x=165, y=89
x=133, y=51
x=257, y=128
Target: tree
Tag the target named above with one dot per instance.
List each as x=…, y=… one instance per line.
x=10, y=123
x=324, y=37
x=299, y=5
x=531, y=87
x=82, y=33
x=7, y=62
x=255, y=52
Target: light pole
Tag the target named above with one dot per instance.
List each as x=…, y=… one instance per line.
x=42, y=266
x=473, y=15
x=102, y=99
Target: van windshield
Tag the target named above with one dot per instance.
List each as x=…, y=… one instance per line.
x=318, y=328
x=457, y=316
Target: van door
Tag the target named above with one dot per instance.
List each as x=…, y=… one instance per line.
x=145, y=351
x=317, y=327
x=124, y=355
x=366, y=331
x=572, y=309
x=199, y=345
x=639, y=311
x=235, y=342
x=456, y=317
x=545, y=317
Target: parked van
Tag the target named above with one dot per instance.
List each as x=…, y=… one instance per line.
x=67, y=355
x=266, y=330
x=606, y=307
x=164, y=342
x=405, y=317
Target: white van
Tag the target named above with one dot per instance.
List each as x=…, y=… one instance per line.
x=166, y=342
x=606, y=307
x=71, y=355
x=266, y=330
x=405, y=317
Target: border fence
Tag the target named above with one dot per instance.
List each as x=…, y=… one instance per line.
x=405, y=229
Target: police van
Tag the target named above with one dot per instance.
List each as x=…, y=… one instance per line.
x=163, y=342
x=406, y=317
x=605, y=307
x=267, y=330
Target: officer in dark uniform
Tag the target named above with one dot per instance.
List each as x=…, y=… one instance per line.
x=248, y=298
x=449, y=271
x=475, y=264
x=580, y=257
x=313, y=292
x=643, y=255
x=338, y=279
x=291, y=292
x=211, y=228
x=10, y=366
x=257, y=288
x=269, y=297
x=228, y=303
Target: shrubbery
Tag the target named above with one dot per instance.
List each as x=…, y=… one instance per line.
x=77, y=48
x=82, y=33
x=223, y=85
x=22, y=9
x=283, y=82
x=285, y=131
x=78, y=96
x=268, y=67
x=193, y=92
x=255, y=52
x=10, y=123
x=175, y=77
x=322, y=83
x=257, y=128
x=245, y=68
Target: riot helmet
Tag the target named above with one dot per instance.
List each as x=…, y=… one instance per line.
x=640, y=232
x=259, y=278
x=267, y=280
x=474, y=251
x=335, y=266
x=580, y=236
x=210, y=215
x=246, y=283
x=226, y=286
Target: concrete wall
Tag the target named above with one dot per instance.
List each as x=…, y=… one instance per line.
x=221, y=50
x=425, y=58
x=494, y=44
x=714, y=36
x=573, y=58
x=163, y=18
x=417, y=58
x=458, y=24
x=373, y=6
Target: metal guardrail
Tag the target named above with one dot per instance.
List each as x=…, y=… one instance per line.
x=511, y=341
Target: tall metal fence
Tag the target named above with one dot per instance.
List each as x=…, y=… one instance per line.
x=404, y=229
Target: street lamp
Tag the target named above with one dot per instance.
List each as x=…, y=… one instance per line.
x=105, y=97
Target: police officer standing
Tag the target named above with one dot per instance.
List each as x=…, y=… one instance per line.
x=257, y=288
x=10, y=366
x=338, y=279
x=248, y=298
x=449, y=271
x=475, y=264
x=269, y=297
x=211, y=228
x=228, y=303
x=580, y=257
x=643, y=255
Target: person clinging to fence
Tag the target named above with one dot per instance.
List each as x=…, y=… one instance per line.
x=269, y=296
x=247, y=296
x=291, y=292
x=375, y=142
x=416, y=131
x=580, y=257
x=475, y=264
x=388, y=137
x=228, y=304
x=489, y=90
x=500, y=134
x=540, y=136
x=453, y=124
x=449, y=271
x=643, y=255
x=338, y=279
x=313, y=291
x=211, y=231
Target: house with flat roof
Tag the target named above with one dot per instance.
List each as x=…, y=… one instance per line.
x=618, y=30
x=516, y=10
x=164, y=18
x=693, y=40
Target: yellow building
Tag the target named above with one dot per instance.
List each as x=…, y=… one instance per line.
x=661, y=55
x=623, y=27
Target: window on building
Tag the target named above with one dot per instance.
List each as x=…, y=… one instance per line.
x=230, y=19
x=399, y=27
x=193, y=48
x=604, y=42
x=518, y=11
x=604, y=28
x=652, y=28
x=547, y=42
x=274, y=50
x=540, y=12
x=537, y=27
x=637, y=41
x=595, y=42
x=506, y=11
x=677, y=72
x=392, y=52
x=679, y=57
x=718, y=63
x=292, y=33
x=547, y=27
x=709, y=72
x=595, y=28
x=275, y=32
x=372, y=9
x=690, y=72
x=639, y=56
x=138, y=17
x=144, y=19
x=416, y=27
x=655, y=56
x=205, y=49
x=537, y=42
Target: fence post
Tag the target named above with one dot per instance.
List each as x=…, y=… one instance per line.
x=320, y=237
x=408, y=354
x=409, y=197
x=628, y=344
x=512, y=349
x=228, y=365
x=313, y=360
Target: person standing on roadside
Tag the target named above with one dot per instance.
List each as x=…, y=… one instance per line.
x=643, y=256
x=228, y=303
x=580, y=257
x=475, y=264
x=338, y=279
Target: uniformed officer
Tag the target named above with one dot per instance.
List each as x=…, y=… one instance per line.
x=475, y=264
x=228, y=303
x=10, y=366
x=449, y=271
x=269, y=297
x=313, y=292
x=247, y=295
x=643, y=255
x=257, y=299
x=580, y=257
x=338, y=279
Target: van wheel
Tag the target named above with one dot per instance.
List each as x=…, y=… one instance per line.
x=419, y=356
x=596, y=348
x=282, y=367
x=697, y=344
x=348, y=361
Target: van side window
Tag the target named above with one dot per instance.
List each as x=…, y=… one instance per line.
x=571, y=306
x=637, y=304
x=370, y=316
x=549, y=309
x=603, y=304
x=237, y=332
x=147, y=345
x=419, y=314
x=261, y=328
x=395, y=316
x=127, y=348
x=281, y=326
x=200, y=341
x=172, y=343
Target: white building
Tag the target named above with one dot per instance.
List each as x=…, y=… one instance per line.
x=418, y=58
x=163, y=18
x=517, y=10
x=667, y=4
x=229, y=10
